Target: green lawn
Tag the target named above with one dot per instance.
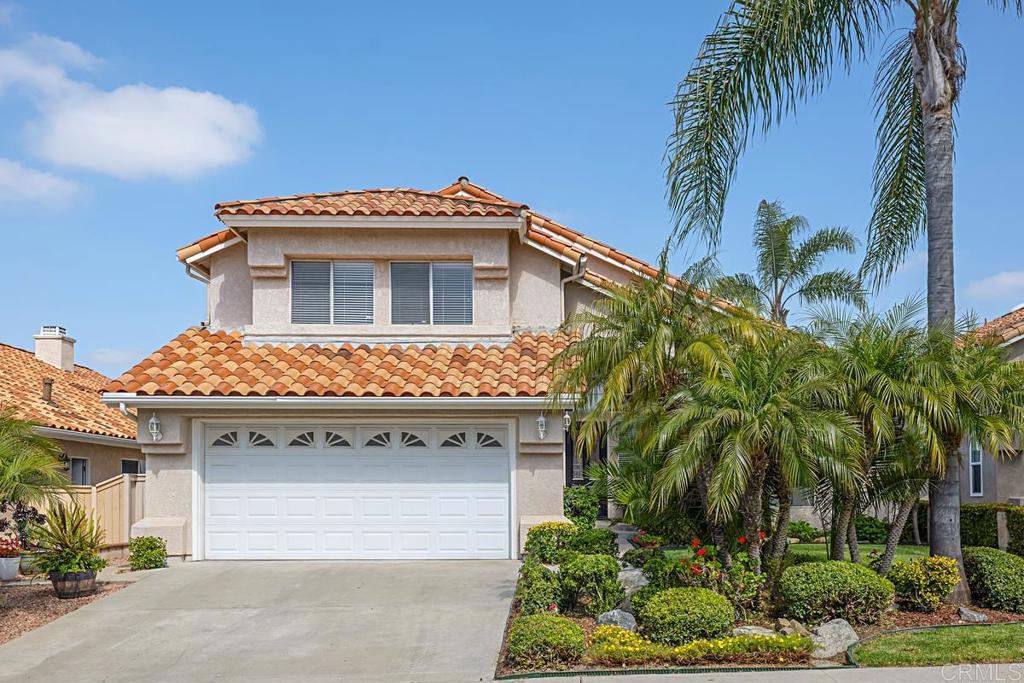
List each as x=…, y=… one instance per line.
x=948, y=645
x=813, y=552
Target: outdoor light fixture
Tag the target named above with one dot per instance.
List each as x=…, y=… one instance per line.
x=567, y=421
x=542, y=426
x=154, y=428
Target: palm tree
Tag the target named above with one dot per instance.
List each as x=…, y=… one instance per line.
x=877, y=359
x=764, y=59
x=30, y=466
x=770, y=403
x=787, y=270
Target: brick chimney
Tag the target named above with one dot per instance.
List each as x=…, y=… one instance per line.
x=54, y=346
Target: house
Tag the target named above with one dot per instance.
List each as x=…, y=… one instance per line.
x=48, y=388
x=371, y=381
x=984, y=478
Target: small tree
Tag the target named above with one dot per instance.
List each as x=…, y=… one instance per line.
x=30, y=473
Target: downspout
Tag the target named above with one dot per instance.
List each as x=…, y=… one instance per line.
x=196, y=274
x=579, y=270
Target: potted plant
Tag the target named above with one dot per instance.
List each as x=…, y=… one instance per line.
x=69, y=550
x=10, y=558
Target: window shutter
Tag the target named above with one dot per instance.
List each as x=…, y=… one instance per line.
x=410, y=293
x=311, y=292
x=353, y=293
x=453, y=293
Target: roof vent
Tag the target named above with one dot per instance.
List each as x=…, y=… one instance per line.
x=48, y=390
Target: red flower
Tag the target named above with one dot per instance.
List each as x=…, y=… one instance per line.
x=702, y=552
x=696, y=569
x=552, y=607
x=743, y=539
x=695, y=543
x=762, y=535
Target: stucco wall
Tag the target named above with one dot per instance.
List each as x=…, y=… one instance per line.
x=534, y=288
x=578, y=298
x=229, y=295
x=104, y=461
x=538, y=464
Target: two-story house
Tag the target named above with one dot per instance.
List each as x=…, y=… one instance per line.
x=371, y=381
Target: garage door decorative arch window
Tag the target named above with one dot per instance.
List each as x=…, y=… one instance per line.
x=226, y=439
x=455, y=440
x=336, y=440
x=260, y=440
x=379, y=440
x=485, y=440
x=413, y=440
x=303, y=440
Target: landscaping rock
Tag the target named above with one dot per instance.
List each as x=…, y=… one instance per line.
x=750, y=630
x=972, y=616
x=832, y=638
x=617, y=617
x=632, y=580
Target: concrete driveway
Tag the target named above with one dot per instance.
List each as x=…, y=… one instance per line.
x=280, y=621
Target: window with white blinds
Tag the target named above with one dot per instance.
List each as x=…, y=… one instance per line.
x=332, y=292
x=431, y=293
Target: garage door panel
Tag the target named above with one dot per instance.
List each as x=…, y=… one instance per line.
x=410, y=498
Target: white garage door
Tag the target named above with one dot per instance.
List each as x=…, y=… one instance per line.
x=356, y=491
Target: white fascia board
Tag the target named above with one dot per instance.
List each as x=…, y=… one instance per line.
x=131, y=399
x=83, y=437
x=1008, y=342
x=489, y=222
x=551, y=252
x=203, y=255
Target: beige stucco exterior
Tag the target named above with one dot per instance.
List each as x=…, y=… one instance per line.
x=104, y=460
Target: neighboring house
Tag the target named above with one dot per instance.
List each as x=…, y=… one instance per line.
x=985, y=478
x=371, y=381
x=46, y=387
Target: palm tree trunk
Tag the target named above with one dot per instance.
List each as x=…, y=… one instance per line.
x=944, y=519
x=752, y=513
x=781, y=534
x=842, y=526
x=895, y=532
x=714, y=526
x=851, y=535
x=917, y=525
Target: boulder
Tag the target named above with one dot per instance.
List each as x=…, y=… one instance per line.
x=751, y=630
x=832, y=638
x=632, y=580
x=617, y=617
x=972, y=616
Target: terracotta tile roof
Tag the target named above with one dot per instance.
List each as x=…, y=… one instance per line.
x=1005, y=327
x=378, y=202
x=201, y=362
x=76, y=396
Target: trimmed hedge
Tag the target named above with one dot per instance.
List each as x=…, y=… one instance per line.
x=680, y=615
x=147, y=552
x=544, y=640
x=580, y=504
x=996, y=578
x=590, y=584
x=594, y=542
x=923, y=583
x=544, y=541
x=819, y=591
x=538, y=587
x=978, y=526
x=614, y=646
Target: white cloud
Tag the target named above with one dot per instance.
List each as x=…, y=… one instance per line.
x=999, y=286
x=22, y=185
x=134, y=131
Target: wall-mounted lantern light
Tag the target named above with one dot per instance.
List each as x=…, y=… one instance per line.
x=542, y=426
x=154, y=428
x=566, y=421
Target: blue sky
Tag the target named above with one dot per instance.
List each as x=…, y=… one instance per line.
x=122, y=125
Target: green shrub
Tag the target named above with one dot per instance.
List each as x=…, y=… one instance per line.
x=541, y=641
x=538, y=587
x=147, y=552
x=642, y=596
x=595, y=542
x=803, y=532
x=871, y=529
x=662, y=571
x=819, y=591
x=68, y=541
x=638, y=557
x=679, y=615
x=996, y=578
x=614, y=646
x=922, y=584
x=546, y=539
x=978, y=524
x=580, y=504
x=590, y=584
x=1015, y=527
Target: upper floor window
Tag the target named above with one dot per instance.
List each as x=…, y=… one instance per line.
x=332, y=292
x=431, y=293
x=974, y=471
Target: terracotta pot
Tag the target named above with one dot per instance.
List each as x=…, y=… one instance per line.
x=9, y=568
x=73, y=584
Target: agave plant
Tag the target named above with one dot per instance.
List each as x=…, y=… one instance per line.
x=69, y=541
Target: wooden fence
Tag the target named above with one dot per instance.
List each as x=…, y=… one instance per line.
x=116, y=504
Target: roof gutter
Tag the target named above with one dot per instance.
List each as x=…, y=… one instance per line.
x=85, y=437
x=131, y=399
x=196, y=274
x=579, y=270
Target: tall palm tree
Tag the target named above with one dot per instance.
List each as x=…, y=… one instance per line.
x=30, y=466
x=771, y=402
x=788, y=270
x=765, y=58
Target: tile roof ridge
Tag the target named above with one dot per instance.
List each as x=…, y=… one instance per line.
x=32, y=354
x=369, y=190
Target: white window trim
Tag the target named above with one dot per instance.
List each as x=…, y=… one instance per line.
x=430, y=291
x=330, y=289
x=88, y=469
x=970, y=470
